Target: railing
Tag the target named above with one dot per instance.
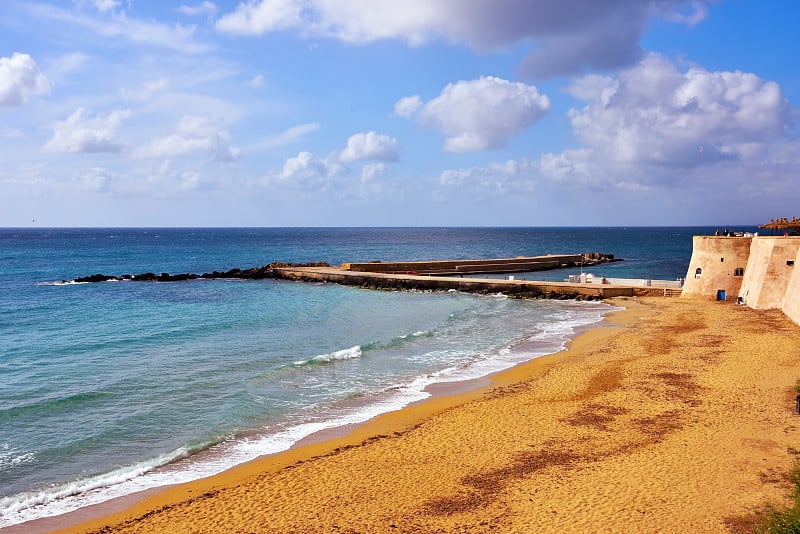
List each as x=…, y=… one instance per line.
x=636, y=282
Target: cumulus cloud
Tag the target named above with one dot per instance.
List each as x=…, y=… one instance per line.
x=82, y=133
x=193, y=133
x=369, y=146
x=498, y=177
x=309, y=173
x=655, y=114
x=19, y=77
x=577, y=166
x=568, y=35
x=482, y=114
x=587, y=35
x=657, y=126
x=407, y=106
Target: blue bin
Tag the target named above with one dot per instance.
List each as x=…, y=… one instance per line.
x=720, y=294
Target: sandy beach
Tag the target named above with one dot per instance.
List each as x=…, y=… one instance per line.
x=675, y=416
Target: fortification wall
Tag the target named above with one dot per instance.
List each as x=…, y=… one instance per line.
x=791, y=299
x=768, y=272
x=717, y=264
x=760, y=270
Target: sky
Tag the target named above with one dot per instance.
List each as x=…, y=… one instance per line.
x=398, y=113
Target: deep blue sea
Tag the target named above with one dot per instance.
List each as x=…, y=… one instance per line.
x=109, y=388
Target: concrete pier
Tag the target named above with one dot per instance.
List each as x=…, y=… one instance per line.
x=519, y=264
x=405, y=276
x=512, y=288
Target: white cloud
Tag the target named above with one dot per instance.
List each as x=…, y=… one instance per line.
x=495, y=177
x=655, y=114
x=288, y=136
x=309, y=173
x=193, y=133
x=257, y=17
x=369, y=146
x=96, y=179
x=257, y=81
x=570, y=165
x=593, y=87
x=105, y=5
x=407, y=106
x=115, y=25
x=82, y=133
x=227, y=154
x=689, y=13
x=19, y=77
x=66, y=65
x=483, y=114
x=203, y=8
x=657, y=127
x=146, y=91
x=569, y=35
x=373, y=171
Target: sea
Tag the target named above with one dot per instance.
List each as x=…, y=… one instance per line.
x=110, y=388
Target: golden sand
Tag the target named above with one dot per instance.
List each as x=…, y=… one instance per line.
x=678, y=417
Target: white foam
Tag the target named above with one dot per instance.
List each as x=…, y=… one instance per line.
x=344, y=354
x=176, y=467
x=418, y=333
x=11, y=458
x=67, y=497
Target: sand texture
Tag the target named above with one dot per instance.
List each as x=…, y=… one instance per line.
x=678, y=417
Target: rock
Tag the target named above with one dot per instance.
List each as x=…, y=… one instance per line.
x=96, y=278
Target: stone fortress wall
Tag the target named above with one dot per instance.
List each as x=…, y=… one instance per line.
x=758, y=271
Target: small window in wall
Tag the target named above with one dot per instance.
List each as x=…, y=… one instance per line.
x=738, y=272
x=789, y=262
x=721, y=260
x=698, y=272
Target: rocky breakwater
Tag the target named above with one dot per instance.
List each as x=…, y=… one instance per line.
x=253, y=273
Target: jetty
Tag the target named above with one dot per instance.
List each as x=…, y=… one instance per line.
x=520, y=264
x=440, y=275
x=510, y=287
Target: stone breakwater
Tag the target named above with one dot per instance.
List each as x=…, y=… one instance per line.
x=323, y=273
x=253, y=273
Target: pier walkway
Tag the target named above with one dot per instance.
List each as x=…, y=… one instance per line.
x=512, y=288
x=520, y=264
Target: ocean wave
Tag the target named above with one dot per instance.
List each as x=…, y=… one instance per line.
x=398, y=341
x=359, y=350
x=339, y=355
x=23, y=507
x=54, y=405
x=10, y=458
x=546, y=338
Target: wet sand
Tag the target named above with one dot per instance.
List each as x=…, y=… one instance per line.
x=677, y=416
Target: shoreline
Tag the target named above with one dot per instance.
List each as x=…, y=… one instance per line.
x=444, y=391
x=667, y=415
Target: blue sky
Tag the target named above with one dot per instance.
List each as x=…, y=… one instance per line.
x=379, y=113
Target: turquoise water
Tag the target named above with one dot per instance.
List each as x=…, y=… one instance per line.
x=110, y=388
